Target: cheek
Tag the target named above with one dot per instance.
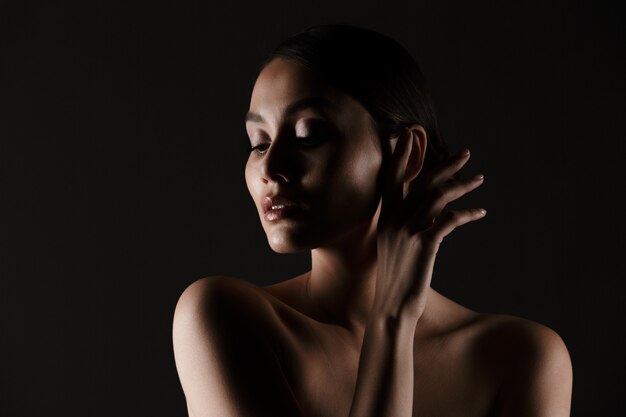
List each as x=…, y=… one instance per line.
x=353, y=183
x=362, y=167
x=249, y=180
x=247, y=177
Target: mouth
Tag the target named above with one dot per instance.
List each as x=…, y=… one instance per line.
x=277, y=203
x=281, y=212
x=279, y=207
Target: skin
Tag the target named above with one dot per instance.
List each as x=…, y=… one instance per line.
x=373, y=246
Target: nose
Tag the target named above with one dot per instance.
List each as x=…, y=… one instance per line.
x=280, y=162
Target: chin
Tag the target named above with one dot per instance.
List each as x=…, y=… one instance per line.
x=286, y=243
x=287, y=247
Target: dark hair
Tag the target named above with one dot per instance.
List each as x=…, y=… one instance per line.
x=376, y=71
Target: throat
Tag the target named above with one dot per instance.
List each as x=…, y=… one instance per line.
x=340, y=308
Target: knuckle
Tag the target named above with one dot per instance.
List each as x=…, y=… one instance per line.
x=439, y=193
x=454, y=216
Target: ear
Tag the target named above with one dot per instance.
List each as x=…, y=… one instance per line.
x=418, y=150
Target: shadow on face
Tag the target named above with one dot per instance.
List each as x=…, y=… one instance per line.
x=317, y=147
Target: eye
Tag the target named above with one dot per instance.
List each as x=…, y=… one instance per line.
x=306, y=141
x=311, y=140
x=257, y=148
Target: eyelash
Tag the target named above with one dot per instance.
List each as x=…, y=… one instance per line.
x=318, y=140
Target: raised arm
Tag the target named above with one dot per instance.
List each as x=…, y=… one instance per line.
x=534, y=365
x=226, y=361
x=385, y=377
x=411, y=228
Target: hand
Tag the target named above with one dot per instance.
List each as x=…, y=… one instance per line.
x=411, y=228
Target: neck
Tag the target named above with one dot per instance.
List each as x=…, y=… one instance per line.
x=341, y=285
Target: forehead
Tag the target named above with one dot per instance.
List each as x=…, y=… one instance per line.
x=284, y=82
x=283, y=77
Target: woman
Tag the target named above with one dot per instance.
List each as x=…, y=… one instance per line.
x=346, y=161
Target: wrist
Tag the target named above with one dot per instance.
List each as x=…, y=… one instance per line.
x=393, y=322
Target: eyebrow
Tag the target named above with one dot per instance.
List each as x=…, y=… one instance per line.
x=296, y=106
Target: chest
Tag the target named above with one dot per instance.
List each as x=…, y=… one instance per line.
x=322, y=370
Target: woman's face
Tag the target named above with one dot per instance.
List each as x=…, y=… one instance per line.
x=322, y=154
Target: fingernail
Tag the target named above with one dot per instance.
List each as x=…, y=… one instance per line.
x=465, y=152
x=479, y=177
x=482, y=211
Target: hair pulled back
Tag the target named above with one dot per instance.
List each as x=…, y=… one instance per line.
x=376, y=71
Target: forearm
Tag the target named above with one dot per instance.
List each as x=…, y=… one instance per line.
x=384, y=384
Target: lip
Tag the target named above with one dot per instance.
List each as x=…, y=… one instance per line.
x=281, y=213
x=270, y=201
x=290, y=207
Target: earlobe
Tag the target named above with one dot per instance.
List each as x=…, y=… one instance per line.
x=418, y=152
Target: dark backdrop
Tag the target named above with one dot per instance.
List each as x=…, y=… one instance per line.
x=121, y=171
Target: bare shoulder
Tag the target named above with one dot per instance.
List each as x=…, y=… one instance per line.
x=531, y=363
x=527, y=361
x=500, y=337
x=219, y=283
x=228, y=306
x=225, y=351
x=506, y=337
x=221, y=294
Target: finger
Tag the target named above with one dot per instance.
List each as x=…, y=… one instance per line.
x=450, y=220
x=393, y=187
x=444, y=171
x=444, y=195
x=448, y=168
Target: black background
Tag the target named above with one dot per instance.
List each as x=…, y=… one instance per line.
x=122, y=156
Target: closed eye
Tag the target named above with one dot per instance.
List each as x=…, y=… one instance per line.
x=311, y=140
x=306, y=141
x=256, y=148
